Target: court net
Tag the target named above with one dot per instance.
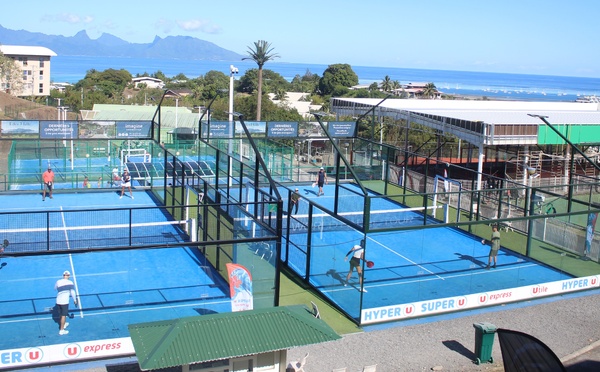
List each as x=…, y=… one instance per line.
x=63, y=238
x=377, y=219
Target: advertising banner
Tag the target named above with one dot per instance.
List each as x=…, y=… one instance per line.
x=58, y=129
x=240, y=287
x=282, y=129
x=19, y=129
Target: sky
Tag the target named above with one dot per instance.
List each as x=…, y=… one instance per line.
x=544, y=37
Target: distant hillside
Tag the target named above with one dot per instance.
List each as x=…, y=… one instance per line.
x=107, y=45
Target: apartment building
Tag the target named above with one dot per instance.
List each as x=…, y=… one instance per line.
x=34, y=62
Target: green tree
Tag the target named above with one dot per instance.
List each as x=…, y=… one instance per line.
x=160, y=75
x=261, y=54
x=430, y=90
x=280, y=94
x=386, y=84
x=215, y=82
x=272, y=82
x=307, y=83
x=10, y=75
x=335, y=77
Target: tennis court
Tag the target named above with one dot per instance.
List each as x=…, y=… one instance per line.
x=115, y=288
x=411, y=266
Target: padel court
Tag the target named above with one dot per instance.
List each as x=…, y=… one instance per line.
x=410, y=266
x=115, y=288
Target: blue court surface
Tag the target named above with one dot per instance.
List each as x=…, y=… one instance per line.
x=410, y=266
x=115, y=288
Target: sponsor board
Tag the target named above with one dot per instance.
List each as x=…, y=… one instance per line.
x=475, y=300
x=65, y=353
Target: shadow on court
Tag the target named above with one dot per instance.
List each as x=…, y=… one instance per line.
x=471, y=259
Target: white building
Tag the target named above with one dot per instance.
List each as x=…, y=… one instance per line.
x=149, y=81
x=34, y=62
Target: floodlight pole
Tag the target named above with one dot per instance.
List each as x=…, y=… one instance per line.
x=232, y=71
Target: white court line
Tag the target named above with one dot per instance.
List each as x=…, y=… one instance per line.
x=403, y=282
x=37, y=279
x=411, y=261
x=101, y=313
x=72, y=265
x=76, y=208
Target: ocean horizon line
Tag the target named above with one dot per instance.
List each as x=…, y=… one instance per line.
x=71, y=69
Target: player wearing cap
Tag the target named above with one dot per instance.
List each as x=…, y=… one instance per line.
x=294, y=201
x=48, y=178
x=358, y=254
x=65, y=288
x=321, y=180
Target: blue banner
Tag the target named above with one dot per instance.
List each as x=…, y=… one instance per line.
x=282, y=129
x=341, y=128
x=58, y=129
x=134, y=129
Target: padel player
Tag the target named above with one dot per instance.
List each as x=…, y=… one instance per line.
x=294, y=201
x=358, y=254
x=321, y=180
x=65, y=288
x=494, y=247
x=126, y=182
x=48, y=178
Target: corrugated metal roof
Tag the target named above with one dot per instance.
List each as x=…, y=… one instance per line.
x=517, y=116
x=23, y=50
x=171, y=117
x=212, y=337
x=492, y=112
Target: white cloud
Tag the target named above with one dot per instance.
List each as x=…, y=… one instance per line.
x=199, y=25
x=68, y=18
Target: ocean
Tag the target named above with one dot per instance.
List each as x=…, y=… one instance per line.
x=71, y=69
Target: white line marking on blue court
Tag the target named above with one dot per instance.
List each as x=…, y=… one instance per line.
x=72, y=265
x=45, y=278
x=403, y=282
x=399, y=255
x=101, y=313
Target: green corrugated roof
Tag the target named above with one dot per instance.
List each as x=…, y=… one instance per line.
x=177, y=342
x=171, y=117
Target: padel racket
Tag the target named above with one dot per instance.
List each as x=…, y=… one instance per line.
x=370, y=264
x=314, y=184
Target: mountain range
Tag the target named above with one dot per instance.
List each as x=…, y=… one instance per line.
x=107, y=45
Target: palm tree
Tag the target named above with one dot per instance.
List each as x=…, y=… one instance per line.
x=396, y=87
x=430, y=90
x=386, y=84
x=261, y=54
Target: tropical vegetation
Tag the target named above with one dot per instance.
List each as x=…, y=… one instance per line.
x=260, y=54
x=253, y=92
